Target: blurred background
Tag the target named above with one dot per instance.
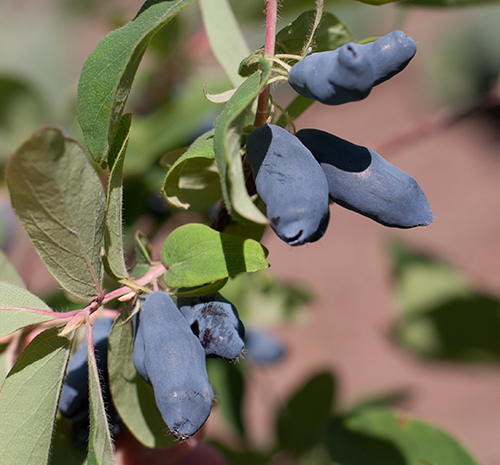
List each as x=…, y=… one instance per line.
x=408, y=315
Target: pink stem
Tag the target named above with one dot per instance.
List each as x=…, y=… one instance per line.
x=269, y=46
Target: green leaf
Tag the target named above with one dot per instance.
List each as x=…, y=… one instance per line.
x=18, y=308
x=229, y=383
x=302, y=419
x=448, y=3
x=227, y=144
x=109, y=71
x=8, y=273
x=143, y=252
x=378, y=2
x=331, y=34
x=113, y=257
x=195, y=254
x=59, y=200
x=381, y=436
x=29, y=400
x=100, y=448
x=193, y=180
x=134, y=398
x=205, y=289
x=225, y=37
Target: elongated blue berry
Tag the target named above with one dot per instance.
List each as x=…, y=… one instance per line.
x=214, y=320
x=348, y=73
x=361, y=180
x=174, y=364
x=290, y=182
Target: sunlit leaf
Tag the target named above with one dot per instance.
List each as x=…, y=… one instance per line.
x=227, y=144
x=113, y=232
x=109, y=71
x=59, y=200
x=195, y=254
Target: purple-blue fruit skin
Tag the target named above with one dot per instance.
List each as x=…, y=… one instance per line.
x=174, y=362
x=361, y=180
x=348, y=73
x=215, y=322
x=291, y=184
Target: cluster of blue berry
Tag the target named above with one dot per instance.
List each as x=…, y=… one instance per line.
x=296, y=174
x=172, y=341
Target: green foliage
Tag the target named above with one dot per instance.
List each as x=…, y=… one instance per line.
x=109, y=71
x=89, y=243
x=59, y=200
x=29, y=398
x=443, y=317
x=20, y=308
x=195, y=254
x=192, y=181
x=302, y=419
x=227, y=144
x=380, y=436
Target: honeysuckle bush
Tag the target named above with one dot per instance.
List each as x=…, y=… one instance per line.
x=82, y=228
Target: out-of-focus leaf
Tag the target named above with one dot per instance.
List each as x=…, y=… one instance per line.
x=229, y=383
x=302, y=419
x=100, y=448
x=29, y=400
x=8, y=273
x=227, y=145
x=109, y=71
x=448, y=3
x=441, y=315
x=225, y=37
x=195, y=254
x=143, y=261
x=462, y=328
x=384, y=437
x=18, y=308
x=134, y=398
x=377, y=2
x=113, y=257
x=59, y=200
x=193, y=180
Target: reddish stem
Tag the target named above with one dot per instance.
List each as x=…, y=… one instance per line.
x=269, y=46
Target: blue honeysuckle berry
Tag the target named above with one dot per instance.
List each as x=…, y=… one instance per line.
x=174, y=364
x=348, y=73
x=361, y=180
x=291, y=184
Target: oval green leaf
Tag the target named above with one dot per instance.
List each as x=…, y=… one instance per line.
x=109, y=71
x=195, y=254
x=18, y=308
x=29, y=400
x=134, y=398
x=59, y=200
x=227, y=144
